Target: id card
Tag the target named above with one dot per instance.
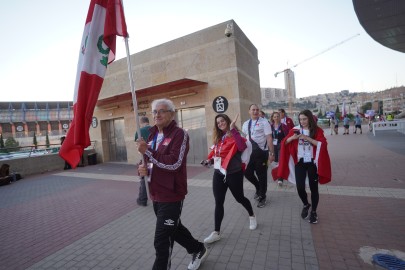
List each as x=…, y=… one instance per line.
x=275, y=141
x=217, y=163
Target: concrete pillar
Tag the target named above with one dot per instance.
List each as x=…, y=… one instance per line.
x=26, y=131
x=13, y=129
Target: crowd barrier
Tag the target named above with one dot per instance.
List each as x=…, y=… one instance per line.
x=398, y=125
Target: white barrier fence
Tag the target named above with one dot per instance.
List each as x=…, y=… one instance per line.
x=398, y=125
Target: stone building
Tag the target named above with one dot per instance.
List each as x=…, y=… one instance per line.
x=203, y=73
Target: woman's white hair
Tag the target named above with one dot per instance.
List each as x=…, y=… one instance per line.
x=169, y=104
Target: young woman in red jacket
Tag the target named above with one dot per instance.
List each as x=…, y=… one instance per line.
x=226, y=155
x=306, y=150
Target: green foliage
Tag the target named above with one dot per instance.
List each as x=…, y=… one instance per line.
x=11, y=143
x=337, y=110
x=2, y=147
x=1, y=141
x=47, y=143
x=351, y=116
x=34, y=141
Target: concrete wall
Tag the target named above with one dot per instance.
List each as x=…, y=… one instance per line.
x=39, y=164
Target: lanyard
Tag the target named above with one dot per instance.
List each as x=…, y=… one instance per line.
x=305, y=144
x=276, y=130
x=254, y=126
x=216, y=146
x=155, y=142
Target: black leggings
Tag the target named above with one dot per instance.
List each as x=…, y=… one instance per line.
x=301, y=170
x=235, y=183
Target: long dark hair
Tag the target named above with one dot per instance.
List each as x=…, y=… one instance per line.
x=312, y=126
x=217, y=133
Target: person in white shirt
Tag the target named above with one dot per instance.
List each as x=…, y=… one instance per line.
x=258, y=132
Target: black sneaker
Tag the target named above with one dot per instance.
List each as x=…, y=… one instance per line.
x=313, y=217
x=305, y=210
x=262, y=203
x=197, y=259
x=256, y=196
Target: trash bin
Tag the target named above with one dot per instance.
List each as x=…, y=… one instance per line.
x=92, y=159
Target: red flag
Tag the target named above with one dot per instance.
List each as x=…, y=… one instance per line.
x=105, y=20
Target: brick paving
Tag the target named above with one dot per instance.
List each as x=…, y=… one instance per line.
x=88, y=218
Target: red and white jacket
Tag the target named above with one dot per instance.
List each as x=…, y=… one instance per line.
x=288, y=159
x=229, y=146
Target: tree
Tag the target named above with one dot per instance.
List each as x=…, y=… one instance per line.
x=11, y=143
x=320, y=113
x=1, y=141
x=2, y=148
x=47, y=143
x=34, y=141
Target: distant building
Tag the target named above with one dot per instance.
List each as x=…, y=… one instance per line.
x=289, y=82
x=273, y=95
x=23, y=119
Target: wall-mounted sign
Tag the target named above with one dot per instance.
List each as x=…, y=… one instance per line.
x=65, y=126
x=94, y=122
x=20, y=128
x=220, y=104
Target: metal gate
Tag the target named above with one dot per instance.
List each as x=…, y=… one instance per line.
x=193, y=121
x=115, y=130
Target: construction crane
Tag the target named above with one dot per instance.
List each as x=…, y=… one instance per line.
x=288, y=72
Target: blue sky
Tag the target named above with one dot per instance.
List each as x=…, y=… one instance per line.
x=41, y=41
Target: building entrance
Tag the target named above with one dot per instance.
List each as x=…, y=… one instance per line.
x=193, y=121
x=115, y=131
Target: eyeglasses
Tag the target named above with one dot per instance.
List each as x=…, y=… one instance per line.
x=154, y=112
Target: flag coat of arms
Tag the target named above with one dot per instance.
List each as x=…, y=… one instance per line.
x=105, y=20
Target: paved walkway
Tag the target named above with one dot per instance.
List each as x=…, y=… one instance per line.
x=88, y=218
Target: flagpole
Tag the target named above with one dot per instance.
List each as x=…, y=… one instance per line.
x=135, y=105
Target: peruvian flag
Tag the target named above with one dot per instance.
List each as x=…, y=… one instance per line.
x=105, y=20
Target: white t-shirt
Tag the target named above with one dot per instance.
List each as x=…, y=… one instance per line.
x=304, y=146
x=259, y=130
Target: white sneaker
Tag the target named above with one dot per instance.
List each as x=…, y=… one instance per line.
x=253, y=223
x=197, y=259
x=213, y=237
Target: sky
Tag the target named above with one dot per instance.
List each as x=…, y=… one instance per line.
x=41, y=42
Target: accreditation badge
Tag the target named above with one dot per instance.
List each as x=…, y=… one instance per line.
x=217, y=163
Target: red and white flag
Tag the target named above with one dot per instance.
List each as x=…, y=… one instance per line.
x=344, y=112
x=105, y=20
